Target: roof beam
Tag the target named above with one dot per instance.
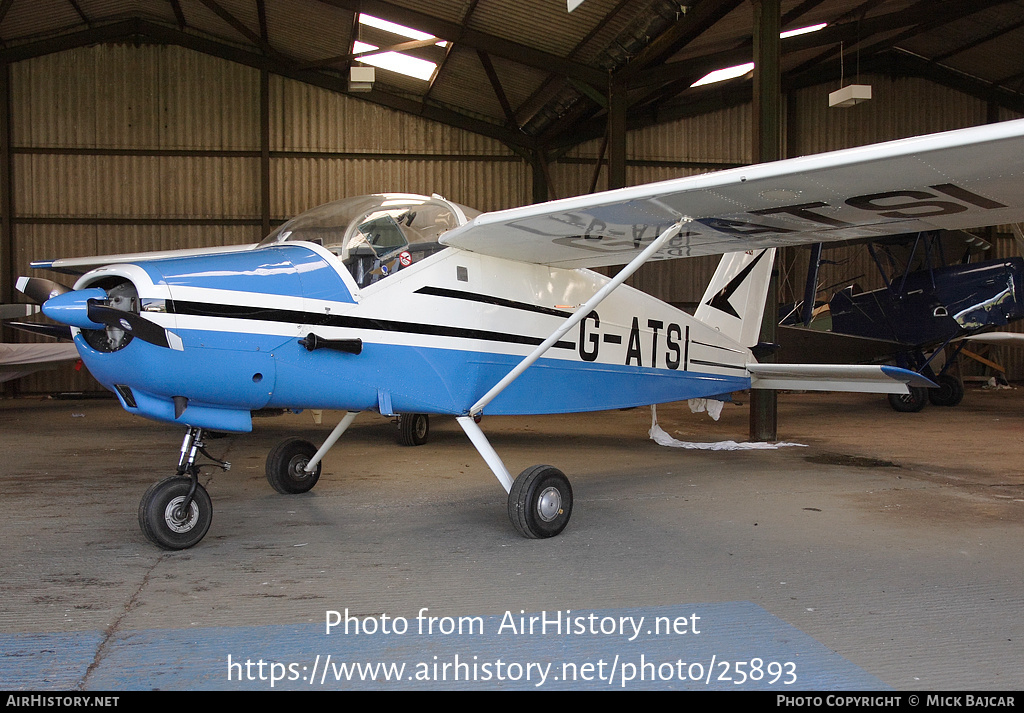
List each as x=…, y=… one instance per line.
x=178, y=14
x=238, y=25
x=925, y=12
x=81, y=14
x=688, y=28
x=499, y=92
x=979, y=41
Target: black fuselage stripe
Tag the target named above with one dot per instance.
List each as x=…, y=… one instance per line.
x=715, y=363
x=265, y=314
x=491, y=300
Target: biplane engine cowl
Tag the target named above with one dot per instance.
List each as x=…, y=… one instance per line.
x=225, y=315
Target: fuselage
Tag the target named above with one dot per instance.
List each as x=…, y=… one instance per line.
x=435, y=336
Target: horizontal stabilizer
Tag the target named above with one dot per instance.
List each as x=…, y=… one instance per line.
x=835, y=377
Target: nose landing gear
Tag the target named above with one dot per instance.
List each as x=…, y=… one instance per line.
x=176, y=512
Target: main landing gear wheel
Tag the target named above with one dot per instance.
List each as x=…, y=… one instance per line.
x=949, y=393
x=413, y=429
x=286, y=463
x=909, y=403
x=540, y=502
x=164, y=520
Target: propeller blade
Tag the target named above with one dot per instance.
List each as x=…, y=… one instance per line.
x=13, y=311
x=39, y=290
x=57, y=331
x=130, y=322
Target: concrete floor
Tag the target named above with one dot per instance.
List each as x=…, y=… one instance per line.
x=886, y=553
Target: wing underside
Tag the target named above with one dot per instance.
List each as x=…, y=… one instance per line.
x=959, y=179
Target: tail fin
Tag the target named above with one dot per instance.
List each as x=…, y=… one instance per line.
x=734, y=300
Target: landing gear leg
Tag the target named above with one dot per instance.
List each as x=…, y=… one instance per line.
x=539, y=499
x=176, y=512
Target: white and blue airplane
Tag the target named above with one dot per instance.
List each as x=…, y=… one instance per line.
x=406, y=304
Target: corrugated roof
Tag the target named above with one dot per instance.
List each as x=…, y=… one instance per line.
x=548, y=68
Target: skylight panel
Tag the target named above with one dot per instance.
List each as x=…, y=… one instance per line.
x=395, y=61
x=720, y=75
x=803, y=30
x=396, y=29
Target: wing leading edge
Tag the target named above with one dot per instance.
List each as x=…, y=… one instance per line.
x=957, y=179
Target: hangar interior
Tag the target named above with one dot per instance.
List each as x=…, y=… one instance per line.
x=157, y=124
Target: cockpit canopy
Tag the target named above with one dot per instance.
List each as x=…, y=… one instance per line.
x=376, y=235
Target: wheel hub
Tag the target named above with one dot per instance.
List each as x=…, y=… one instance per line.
x=178, y=520
x=421, y=428
x=297, y=467
x=549, y=505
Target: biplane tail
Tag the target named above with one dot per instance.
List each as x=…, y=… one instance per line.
x=734, y=301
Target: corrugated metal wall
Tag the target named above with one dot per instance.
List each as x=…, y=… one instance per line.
x=124, y=148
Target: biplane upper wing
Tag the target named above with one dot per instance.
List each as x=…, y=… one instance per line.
x=957, y=179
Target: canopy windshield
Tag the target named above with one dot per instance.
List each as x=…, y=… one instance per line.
x=376, y=235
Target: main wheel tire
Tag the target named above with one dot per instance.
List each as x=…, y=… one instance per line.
x=162, y=521
x=286, y=463
x=540, y=502
x=911, y=402
x=949, y=393
x=413, y=429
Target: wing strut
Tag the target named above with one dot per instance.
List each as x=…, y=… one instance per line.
x=579, y=314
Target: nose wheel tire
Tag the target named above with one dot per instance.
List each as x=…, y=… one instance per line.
x=286, y=463
x=164, y=520
x=540, y=502
x=413, y=429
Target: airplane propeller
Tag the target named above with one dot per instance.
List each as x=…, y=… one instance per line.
x=116, y=309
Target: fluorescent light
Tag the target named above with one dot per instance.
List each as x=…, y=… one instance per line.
x=720, y=75
x=803, y=30
x=396, y=29
x=395, y=61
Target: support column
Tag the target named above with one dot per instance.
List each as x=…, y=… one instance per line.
x=265, y=151
x=540, y=176
x=767, y=147
x=7, y=276
x=617, y=105
x=6, y=190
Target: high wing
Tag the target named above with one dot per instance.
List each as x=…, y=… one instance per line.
x=957, y=179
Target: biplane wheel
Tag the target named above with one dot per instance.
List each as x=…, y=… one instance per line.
x=911, y=402
x=413, y=429
x=162, y=521
x=285, y=464
x=540, y=502
x=949, y=393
